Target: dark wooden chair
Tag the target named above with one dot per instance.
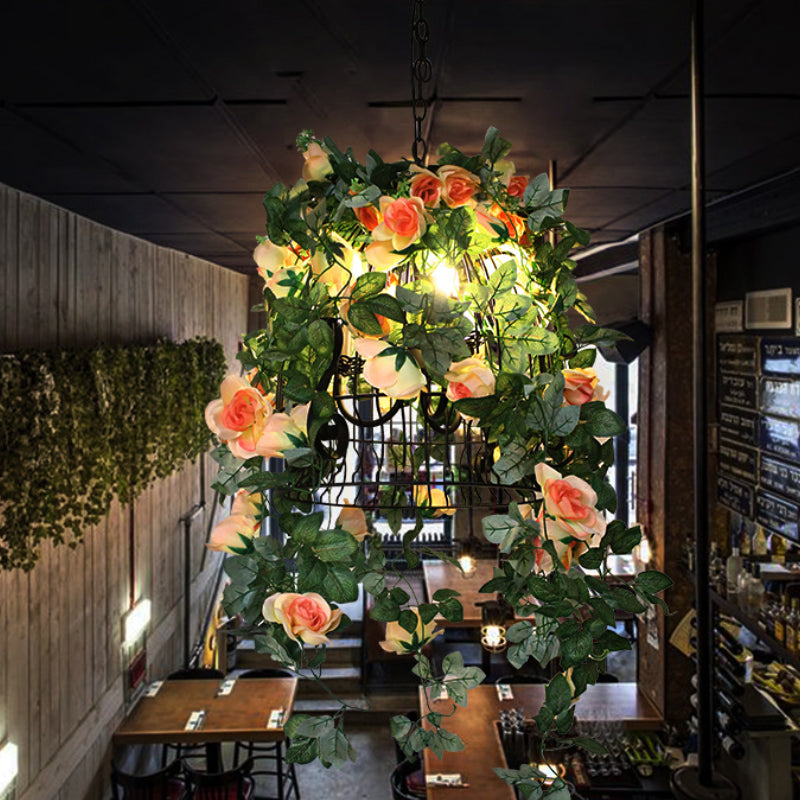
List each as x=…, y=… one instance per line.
x=233, y=784
x=165, y=784
x=271, y=753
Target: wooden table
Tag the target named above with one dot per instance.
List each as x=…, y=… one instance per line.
x=441, y=575
x=475, y=724
x=240, y=716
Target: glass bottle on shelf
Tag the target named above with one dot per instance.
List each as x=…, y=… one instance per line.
x=743, y=586
x=777, y=549
x=733, y=567
x=744, y=540
x=756, y=589
x=792, y=623
x=760, y=541
x=779, y=628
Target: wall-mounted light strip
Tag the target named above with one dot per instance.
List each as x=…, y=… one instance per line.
x=9, y=766
x=135, y=621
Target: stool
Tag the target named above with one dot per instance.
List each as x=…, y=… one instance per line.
x=284, y=772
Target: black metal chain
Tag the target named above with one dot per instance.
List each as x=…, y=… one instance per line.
x=421, y=71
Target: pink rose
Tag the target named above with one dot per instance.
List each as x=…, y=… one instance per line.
x=470, y=377
x=458, y=185
x=233, y=535
x=390, y=369
x=432, y=498
x=353, y=520
x=283, y=432
x=570, y=502
x=305, y=617
x=566, y=547
x=427, y=186
x=238, y=416
x=317, y=164
x=579, y=385
x=399, y=640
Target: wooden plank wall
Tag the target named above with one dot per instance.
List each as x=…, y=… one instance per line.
x=66, y=281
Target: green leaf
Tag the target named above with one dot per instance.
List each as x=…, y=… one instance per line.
x=445, y=594
x=334, y=545
x=652, y=581
x=592, y=558
x=495, y=147
x=385, y=610
x=302, y=751
x=575, y=649
x=368, y=284
x=558, y=694
x=385, y=305
x=589, y=745
x=427, y=612
x=625, y=599
x=335, y=750
x=565, y=420
x=408, y=620
x=584, y=359
x=624, y=541
x=604, y=422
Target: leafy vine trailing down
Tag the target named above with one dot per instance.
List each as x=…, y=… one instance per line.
x=497, y=340
x=80, y=426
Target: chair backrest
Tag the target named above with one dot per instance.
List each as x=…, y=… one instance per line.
x=397, y=780
x=235, y=784
x=195, y=674
x=166, y=784
x=267, y=672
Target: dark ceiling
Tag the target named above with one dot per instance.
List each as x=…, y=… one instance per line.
x=170, y=119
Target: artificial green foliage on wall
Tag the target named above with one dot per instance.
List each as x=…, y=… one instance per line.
x=79, y=427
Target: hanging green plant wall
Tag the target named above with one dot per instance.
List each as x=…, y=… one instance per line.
x=78, y=427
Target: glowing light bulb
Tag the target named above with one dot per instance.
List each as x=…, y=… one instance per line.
x=467, y=564
x=445, y=279
x=494, y=635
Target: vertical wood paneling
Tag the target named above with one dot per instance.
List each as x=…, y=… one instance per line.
x=66, y=281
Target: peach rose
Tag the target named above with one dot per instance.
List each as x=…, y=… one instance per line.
x=336, y=272
x=283, y=432
x=579, y=385
x=566, y=547
x=317, y=164
x=271, y=257
x=427, y=498
x=404, y=221
x=399, y=640
x=353, y=520
x=305, y=617
x=570, y=502
x=381, y=255
x=458, y=185
x=490, y=218
x=248, y=503
x=238, y=416
x=368, y=216
x=426, y=185
x=470, y=377
x=517, y=185
x=233, y=535
x=390, y=369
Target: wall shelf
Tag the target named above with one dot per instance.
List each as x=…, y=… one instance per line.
x=752, y=624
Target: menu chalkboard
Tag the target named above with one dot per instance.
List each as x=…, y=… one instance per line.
x=781, y=437
x=778, y=515
x=780, y=356
x=739, y=426
x=736, y=496
x=739, y=461
x=780, y=397
x=779, y=477
x=737, y=390
x=758, y=452
x=737, y=354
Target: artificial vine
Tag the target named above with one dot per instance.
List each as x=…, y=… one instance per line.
x=78, y=427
